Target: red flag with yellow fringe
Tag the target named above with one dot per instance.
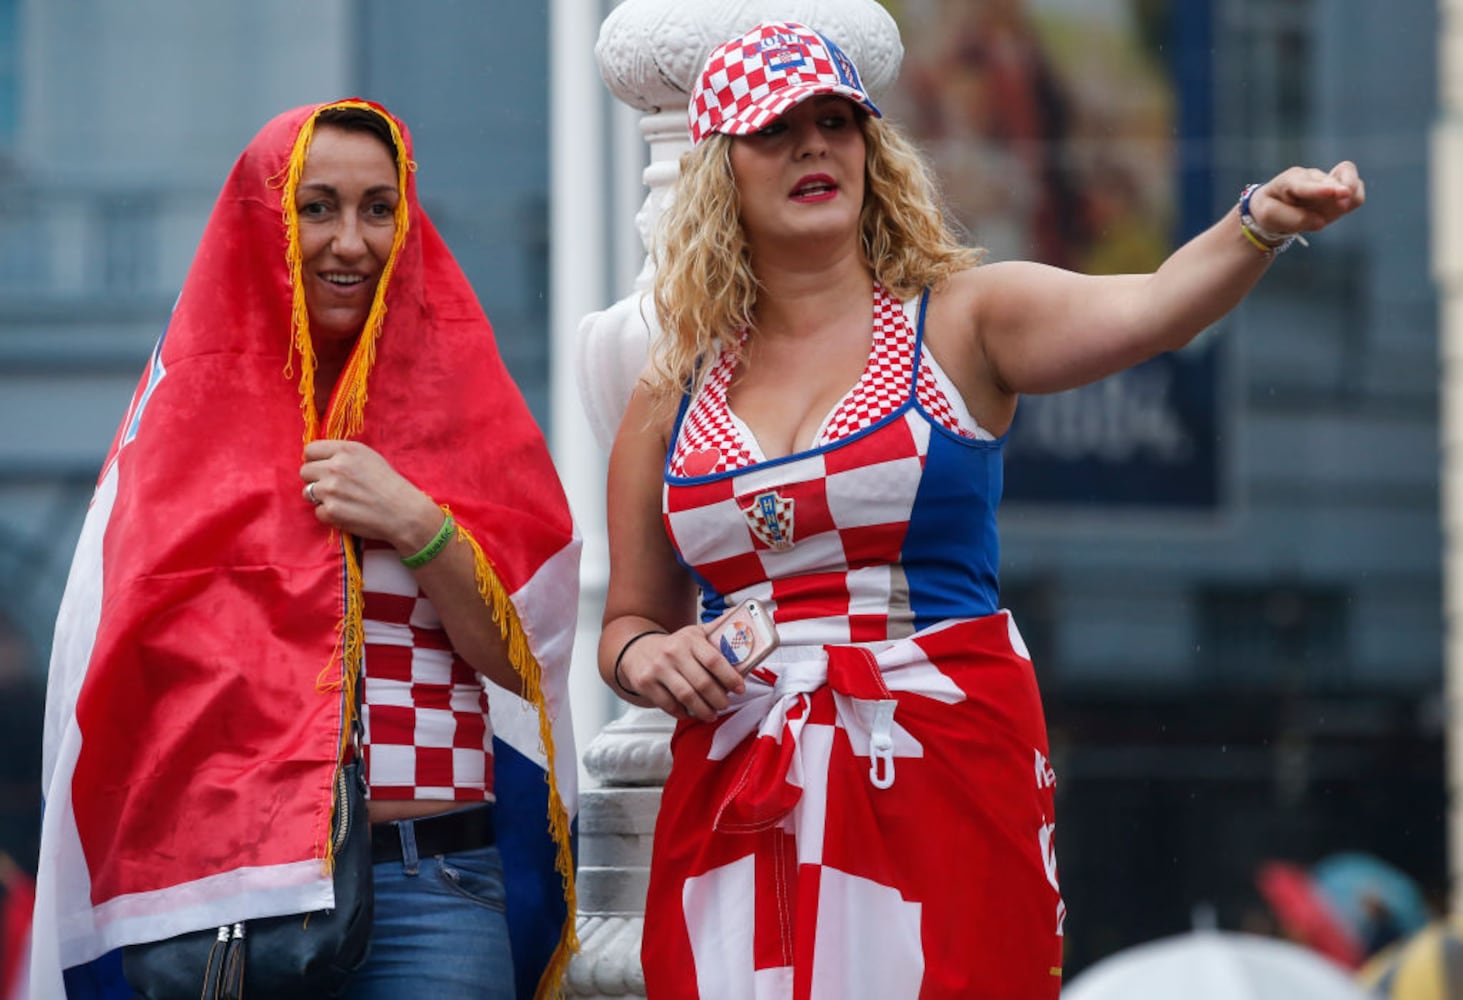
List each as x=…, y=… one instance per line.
x=207, y=645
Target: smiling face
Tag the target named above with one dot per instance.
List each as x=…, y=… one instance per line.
x=802, y=177
x=346, y=201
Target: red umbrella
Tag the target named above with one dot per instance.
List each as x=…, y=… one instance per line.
x=1306, y=915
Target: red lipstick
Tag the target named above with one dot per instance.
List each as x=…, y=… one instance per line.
x=814, y=187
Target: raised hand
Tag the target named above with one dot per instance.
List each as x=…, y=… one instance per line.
x=1307, y=199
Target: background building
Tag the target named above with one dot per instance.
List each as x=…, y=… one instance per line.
x=1244, y=669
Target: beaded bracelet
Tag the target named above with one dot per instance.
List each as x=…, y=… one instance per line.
x=433, y=548
x=623, y=649
x=1268, y=243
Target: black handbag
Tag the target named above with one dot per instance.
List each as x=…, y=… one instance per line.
x=300, y=955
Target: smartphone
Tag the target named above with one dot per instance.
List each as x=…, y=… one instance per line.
x=745, y=636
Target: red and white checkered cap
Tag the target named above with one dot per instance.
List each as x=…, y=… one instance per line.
x=751, y=81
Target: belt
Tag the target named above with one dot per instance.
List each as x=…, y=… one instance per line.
x=446, y=833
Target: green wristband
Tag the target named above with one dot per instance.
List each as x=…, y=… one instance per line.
x=433, y=548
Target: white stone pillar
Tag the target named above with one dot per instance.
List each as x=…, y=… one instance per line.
x=1447, y=230
x=650, y=53
x=578, y=221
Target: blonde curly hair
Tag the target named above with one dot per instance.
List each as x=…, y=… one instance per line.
x=705, y=292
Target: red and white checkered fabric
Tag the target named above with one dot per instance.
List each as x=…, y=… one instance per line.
x=751, y=81
x=710, y=440
x=884, y=385
x=713, y=440
x=847, y=510
x=939, y=405
x=791, y=865
x=425, y=709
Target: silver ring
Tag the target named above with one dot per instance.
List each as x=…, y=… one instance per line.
x=310, y=494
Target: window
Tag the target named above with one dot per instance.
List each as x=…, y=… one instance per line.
x=9, y=73
x=1266, y=71
x=1275, y=637
x=127, y=248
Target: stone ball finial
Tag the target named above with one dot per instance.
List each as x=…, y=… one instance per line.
x=651, y=51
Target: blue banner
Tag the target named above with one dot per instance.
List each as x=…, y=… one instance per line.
x=1146, y=437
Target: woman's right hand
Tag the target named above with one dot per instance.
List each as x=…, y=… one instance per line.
x=682, y=672
x=674, y=667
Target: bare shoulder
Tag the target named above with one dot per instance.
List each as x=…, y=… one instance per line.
x=996, y=300
x=950, y=316
x=648, y=418
x=952, y=320
x=953, y=335
x=1002, y=277
x=962, y=286
x=966, y=293
x=957, y=293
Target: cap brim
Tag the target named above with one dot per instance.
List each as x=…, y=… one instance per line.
x=759, y=114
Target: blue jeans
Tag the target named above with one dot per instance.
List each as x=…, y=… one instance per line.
x=440, y=929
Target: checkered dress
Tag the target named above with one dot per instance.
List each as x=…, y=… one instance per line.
x=873, y=817
x=425, y=709
x=847, y=540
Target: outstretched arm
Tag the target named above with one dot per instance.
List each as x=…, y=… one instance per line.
x=1042, y=329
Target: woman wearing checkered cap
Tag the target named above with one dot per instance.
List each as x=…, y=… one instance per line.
x=868, y=812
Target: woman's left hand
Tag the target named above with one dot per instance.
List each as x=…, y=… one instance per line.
x=1306, y=199
x=356, y=490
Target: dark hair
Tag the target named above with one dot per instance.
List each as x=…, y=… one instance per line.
x=359, y=120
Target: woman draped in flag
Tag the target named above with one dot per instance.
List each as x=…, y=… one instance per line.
x=868, y=813
x=326, y=485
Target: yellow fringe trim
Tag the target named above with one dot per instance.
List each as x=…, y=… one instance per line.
x=531, y=674
x=350, y=643
x=349, y=654
x=347, y=409
x=346, y=413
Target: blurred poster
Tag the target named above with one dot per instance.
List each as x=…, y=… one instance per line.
x=1076, y=133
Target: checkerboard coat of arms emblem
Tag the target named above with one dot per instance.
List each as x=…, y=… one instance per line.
x=770, y=516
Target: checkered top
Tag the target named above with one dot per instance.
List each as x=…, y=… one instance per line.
x=425, y=709
x=751, y=81
x=884, y=385
x=713, y=440
x=886, y=525
x=710, y=440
